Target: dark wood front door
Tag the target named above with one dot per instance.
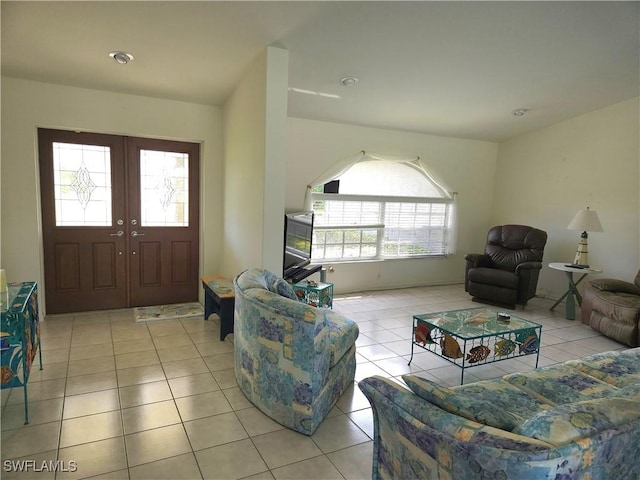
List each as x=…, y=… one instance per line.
x=120, y=220
x=163, y=221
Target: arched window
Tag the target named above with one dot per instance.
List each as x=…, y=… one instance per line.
x=379, y=210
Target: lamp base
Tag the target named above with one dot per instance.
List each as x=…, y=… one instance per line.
x=581, y=259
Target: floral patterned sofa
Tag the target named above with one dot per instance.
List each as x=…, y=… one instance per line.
x=292, y=361
x=572, y=421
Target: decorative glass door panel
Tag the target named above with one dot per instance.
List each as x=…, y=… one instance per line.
x=82, y=183
x=164, y=189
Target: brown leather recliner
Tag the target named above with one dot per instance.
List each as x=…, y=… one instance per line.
x=507, y=273
x=612, y=307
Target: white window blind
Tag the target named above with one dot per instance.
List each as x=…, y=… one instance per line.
x=364, y=227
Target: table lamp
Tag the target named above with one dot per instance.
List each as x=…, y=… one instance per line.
x=587, y=221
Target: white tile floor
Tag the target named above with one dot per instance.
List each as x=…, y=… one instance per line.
x=159, y=400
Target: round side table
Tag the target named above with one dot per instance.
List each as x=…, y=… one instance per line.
x=572, y=293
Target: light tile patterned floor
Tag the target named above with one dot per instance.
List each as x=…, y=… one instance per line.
x=159, y=400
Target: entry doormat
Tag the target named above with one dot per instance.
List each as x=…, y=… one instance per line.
x=168, y=312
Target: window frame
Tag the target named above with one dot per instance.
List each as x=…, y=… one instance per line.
x=380, y=226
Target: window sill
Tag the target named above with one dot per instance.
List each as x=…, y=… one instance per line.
x=378, y=260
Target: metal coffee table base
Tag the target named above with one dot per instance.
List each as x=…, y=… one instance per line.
x=473, y=337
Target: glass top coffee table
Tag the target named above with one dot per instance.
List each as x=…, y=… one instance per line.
x=475, y=336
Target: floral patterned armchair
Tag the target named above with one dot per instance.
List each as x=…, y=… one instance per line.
x=292, y=361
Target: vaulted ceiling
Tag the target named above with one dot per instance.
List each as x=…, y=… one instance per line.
x=446, y=68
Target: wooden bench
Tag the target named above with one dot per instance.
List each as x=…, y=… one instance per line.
x=220, y=298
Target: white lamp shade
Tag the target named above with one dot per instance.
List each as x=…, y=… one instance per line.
x=586, y=221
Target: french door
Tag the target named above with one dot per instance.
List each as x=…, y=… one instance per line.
x=119, y=220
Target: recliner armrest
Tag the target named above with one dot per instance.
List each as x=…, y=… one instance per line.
x=528, y=266
x=615, y=286
x=475, y=260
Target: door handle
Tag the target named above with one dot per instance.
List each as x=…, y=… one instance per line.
x=119, y=233
x=136, y=234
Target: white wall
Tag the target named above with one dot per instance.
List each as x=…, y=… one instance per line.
x=464, y=166
x=254, y=128
x=27, y=105
x=545, y=177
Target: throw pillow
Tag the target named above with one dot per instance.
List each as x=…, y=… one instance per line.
x=283, y=288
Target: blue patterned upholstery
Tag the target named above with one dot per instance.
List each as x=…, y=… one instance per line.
x=491, y=402
x=561, y=384
x=618, y=370
x=573, y=421
x=587, y=428
x=292, y=361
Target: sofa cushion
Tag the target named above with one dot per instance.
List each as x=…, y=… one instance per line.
x=614, y=285
x=618, y=368
x=567, y=423
x=495, y=403
x=630, y=391
x=494, y=277
x=560, y=384
x=621, y=307
x=409, y=411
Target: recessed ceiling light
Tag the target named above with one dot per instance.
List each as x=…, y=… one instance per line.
x=519, y=112
x=121, y=57
x=349, y=81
